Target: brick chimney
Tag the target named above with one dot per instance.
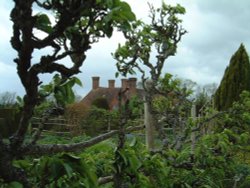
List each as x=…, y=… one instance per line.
x=95, y=82
x=111, y=84
x=124, y=83
x=132, y=85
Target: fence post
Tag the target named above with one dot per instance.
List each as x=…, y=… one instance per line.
x=149, y=124
x=193, y=135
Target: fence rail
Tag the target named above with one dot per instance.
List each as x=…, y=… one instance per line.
x=59, y=124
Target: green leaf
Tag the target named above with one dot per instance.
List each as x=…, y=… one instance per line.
x=187, y=185
x=15, y=184
x=19, y=101
x=244, y=137
x=57, y=79
x=62, y=90
x=109, y=30
x=126, y=11
x=56, y=167
x=24, y=164
x=133, y=142
x=123, y=157
x=70, y=157
x=134, y=162
x=116, y=74
x=43, y=23
x=68, y=169
x=77, y=81
x=47, y=88
x=69, y=94
x=180, y=9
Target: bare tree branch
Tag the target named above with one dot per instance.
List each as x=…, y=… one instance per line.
x=208, y=119
x=104, y=180
x=57, y=148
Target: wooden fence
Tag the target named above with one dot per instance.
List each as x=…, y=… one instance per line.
x=56, y=124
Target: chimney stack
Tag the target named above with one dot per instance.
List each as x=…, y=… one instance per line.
x=124, y=83
x=111, y=84
x=132, y=85
x=95, y=82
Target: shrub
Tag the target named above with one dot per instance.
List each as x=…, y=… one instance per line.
x=9, y=118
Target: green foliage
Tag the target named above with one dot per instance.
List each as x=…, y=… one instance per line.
x=203, y=98
x=120, y=13
x=169, y=83
x=172, y=88
x=103, y=161
x=213, y=164
x=20, y=101
x=62, y=170
x=13, y=184
x=43, y=23
x=61, y=89
x=128, y=163
x=135, y=106
x=74, y=27
x=101, y=103
x=67, y=170
x=235, y=80
x=115, y=13
x=98, y=120
x=217, y=160
x=7, y=100
x=161, y=35
x=40, y=109
x=9, y=119
x=239, y=118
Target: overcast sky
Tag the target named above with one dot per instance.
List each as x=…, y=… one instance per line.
x=216, y=28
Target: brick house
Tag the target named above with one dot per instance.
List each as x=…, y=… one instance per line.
x=111, y=92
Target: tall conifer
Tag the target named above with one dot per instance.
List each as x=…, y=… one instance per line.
x=236, y=79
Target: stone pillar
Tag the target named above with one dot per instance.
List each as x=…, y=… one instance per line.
x=193, y=135
x=149, y=125
x=148, y=117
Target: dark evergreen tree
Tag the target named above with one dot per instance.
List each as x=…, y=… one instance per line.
x=236, y=79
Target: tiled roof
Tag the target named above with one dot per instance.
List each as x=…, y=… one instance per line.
x=110, y=94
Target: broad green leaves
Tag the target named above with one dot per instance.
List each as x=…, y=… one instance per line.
x=113, y=14
x=120, y=15
x=120, y=11
x=62, y=90
x=43, y=23
x=63, y=170
x=14, y=184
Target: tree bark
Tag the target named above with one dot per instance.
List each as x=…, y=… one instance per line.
x=7, y=171
x=57, y=148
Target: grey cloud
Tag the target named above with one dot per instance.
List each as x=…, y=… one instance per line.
x=215, y=30
x=226, y=7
